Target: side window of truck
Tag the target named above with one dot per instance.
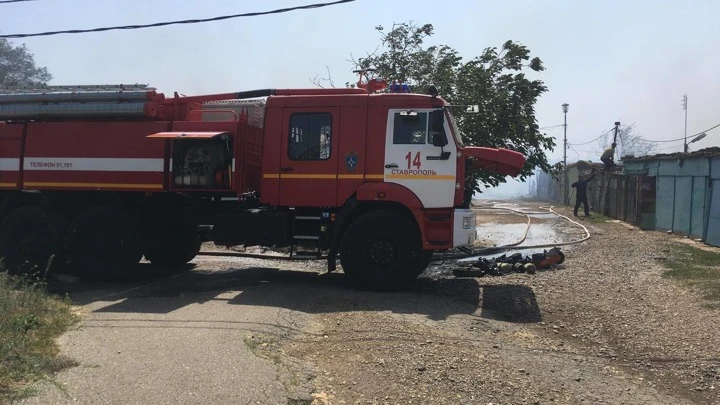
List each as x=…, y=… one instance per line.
x=410, y=128
x=310, y=136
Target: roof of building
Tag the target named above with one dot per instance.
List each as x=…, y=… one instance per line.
x=585, y=165
x=702, y=153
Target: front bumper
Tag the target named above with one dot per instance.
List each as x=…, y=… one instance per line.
x=464, y=227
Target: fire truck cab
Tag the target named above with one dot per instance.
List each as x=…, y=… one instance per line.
x=374, y=179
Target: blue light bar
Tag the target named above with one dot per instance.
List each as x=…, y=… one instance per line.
x=399, y=88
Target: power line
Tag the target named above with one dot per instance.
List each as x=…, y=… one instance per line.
x=552, y=126
x=603, y=134
x=680, y=145
x=576, y=152
x=195, y=21
x=13, y=1
x=689, y=136
x=582, y=150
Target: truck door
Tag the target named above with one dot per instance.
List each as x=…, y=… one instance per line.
x=308, y=159
x=412, y=161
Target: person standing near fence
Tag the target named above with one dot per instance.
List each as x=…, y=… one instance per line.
x=581, y=193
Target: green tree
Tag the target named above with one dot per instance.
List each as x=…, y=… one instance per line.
x=495, y=80
x=17, y=67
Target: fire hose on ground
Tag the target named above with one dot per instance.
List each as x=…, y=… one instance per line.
x=481, y=252
x=518, y=262
x=516, y=245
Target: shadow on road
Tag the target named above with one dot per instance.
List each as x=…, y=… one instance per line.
x=511, y=303
x=303, y=291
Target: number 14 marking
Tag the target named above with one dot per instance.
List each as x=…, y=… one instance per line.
x=415, y=162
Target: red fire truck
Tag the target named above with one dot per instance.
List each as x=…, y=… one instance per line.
x=99, y=176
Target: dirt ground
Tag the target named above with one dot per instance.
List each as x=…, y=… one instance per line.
x=604, y=327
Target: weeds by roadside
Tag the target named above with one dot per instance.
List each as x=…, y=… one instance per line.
x=697, y=268
x=31, y=320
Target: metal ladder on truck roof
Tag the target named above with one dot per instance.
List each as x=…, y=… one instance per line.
x=75, y=88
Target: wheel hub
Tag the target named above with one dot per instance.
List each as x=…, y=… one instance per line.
x=382, y=252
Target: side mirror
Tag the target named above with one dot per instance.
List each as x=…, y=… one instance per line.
x=439, y=139
x=437, y=128
x=437, y=121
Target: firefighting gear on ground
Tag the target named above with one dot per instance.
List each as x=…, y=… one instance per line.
x=516, y=263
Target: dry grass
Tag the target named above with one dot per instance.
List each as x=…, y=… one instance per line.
x=31, y=320
x=698, y=268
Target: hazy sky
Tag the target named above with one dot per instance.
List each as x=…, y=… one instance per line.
x=628, y=61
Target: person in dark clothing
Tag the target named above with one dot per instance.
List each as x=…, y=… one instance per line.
x=581, y=193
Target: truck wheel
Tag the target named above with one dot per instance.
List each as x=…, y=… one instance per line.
x=103, y=243
x=173, y=246
x=382, y=250
x=28, y=237
x=427, y=259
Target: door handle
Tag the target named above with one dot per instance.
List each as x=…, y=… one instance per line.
x=391, y=166
x=286, y=169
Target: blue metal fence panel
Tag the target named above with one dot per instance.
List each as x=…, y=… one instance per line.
x=688, y=167
x=699, y=190
x=713, y=227
x=681, y=220
x=664, y=202
x=715, y=168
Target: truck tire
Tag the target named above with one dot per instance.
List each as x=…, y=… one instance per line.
x=382, y=251
x=103, y=243
x=29, y=236
x=173, y=246
x=427, y=256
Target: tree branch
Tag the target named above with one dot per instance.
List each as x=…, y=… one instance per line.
x=318, y=80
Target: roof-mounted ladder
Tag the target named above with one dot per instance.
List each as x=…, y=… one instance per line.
x=75, y=88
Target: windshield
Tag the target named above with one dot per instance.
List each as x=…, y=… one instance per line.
x=455, y=128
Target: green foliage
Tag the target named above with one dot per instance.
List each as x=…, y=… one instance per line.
x=495, y=80
x=17, y=67
x=31, y=320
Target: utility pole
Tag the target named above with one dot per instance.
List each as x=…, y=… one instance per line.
x=685, y=149
x=617, y=127
x=565, y=179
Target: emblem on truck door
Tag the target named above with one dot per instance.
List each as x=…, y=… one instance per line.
x=351, y=160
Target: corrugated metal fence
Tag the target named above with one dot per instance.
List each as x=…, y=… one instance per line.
x=626, y=197
x=679, y=195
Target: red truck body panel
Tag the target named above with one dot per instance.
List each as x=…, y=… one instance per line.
x=10, y=152
x=326, y=182
x=137, y=155
x=93, y=156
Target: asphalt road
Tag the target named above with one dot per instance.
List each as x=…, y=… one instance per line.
x=181, y=340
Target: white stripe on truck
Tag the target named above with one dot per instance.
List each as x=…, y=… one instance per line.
x=9, y=164
x=92, y=164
